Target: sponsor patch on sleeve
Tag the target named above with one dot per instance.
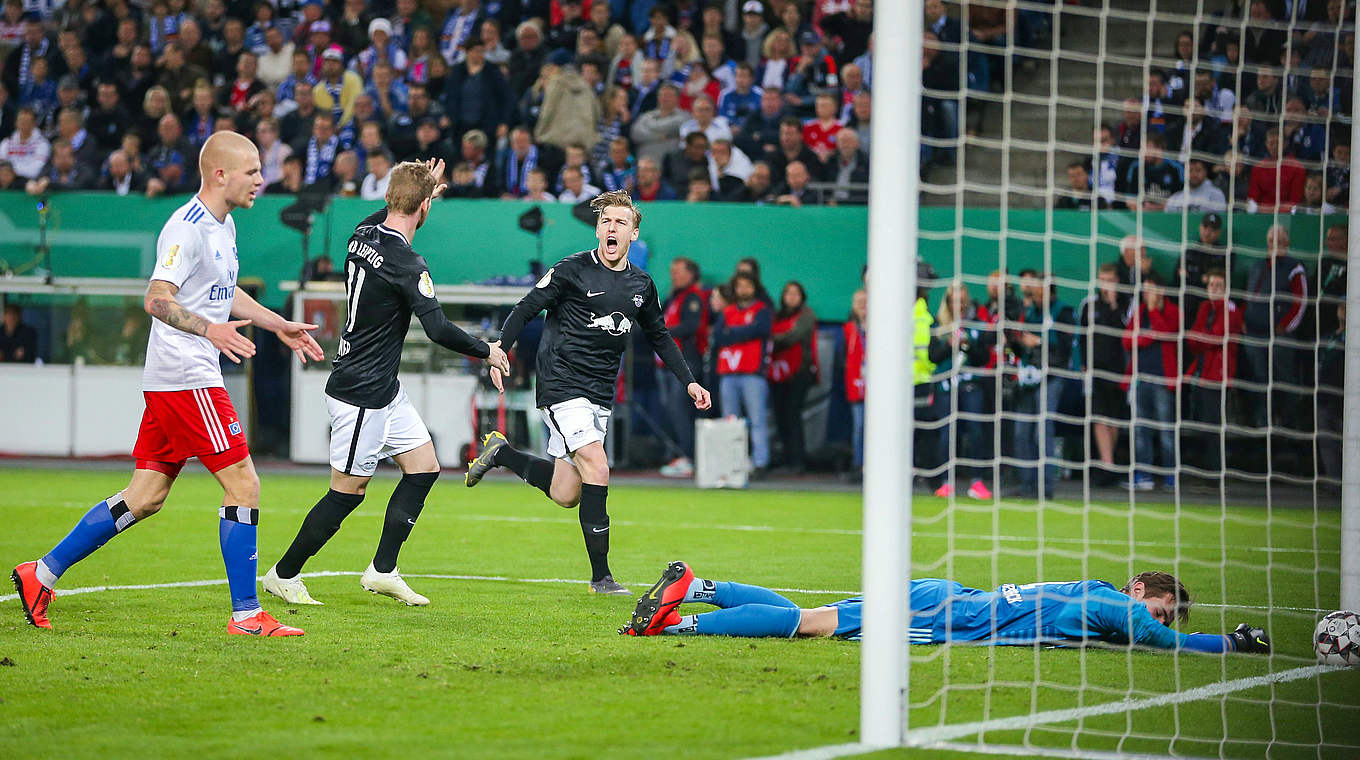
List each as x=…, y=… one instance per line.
x=425, y=285
x=171, y=258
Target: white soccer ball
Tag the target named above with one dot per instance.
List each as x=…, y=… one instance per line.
x=1337, y=638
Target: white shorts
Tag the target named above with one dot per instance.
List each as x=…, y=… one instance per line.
x=573, y=424
x=360, y=437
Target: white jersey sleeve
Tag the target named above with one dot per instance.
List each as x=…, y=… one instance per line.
x=177, y=253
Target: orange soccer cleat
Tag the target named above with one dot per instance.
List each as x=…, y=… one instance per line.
x=262, y=624
x=32, y=594
x=656, y=609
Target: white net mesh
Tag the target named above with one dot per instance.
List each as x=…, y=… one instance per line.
x=1184, y=415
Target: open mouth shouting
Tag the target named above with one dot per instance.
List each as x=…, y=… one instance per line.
x=611, y=244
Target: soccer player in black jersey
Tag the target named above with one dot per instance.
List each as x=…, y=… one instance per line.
x=371, y=417
x=593, y=299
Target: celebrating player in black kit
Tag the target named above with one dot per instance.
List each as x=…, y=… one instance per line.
x=371, y=417
x=593, y=299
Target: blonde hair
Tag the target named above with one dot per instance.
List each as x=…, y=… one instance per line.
x=945, y=314
x=412, y=184
x=616, y=198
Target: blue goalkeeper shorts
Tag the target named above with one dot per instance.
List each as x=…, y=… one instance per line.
x=925, y=603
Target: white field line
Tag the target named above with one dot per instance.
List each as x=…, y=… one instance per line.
x=812, y=531
x=939, y=737
x=922, y=737
x=843, y=593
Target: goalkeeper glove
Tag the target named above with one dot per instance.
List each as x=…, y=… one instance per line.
x=1250, y=640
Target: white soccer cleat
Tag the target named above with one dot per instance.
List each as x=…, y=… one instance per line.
x=391, y=584
x=291, y=590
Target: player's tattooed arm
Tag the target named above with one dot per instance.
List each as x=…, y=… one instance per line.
x=161, y=304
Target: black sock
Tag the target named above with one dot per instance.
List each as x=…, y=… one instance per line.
x=535, y=471
x=402, y=510
x=317, y=528
x=595, y=528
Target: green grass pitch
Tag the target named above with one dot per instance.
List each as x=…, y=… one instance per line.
x=516, y=669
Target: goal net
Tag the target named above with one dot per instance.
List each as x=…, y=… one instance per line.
x=1135, y=217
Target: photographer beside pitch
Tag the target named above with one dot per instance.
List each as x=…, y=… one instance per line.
x=593, y=299
x=944, y=612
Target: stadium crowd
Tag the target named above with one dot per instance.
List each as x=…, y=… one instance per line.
x=544, y=100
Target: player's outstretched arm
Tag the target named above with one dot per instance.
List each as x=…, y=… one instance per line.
x=160, y=303
x=295, y=335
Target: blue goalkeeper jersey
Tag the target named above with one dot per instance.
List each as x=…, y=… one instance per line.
x=1072, y=612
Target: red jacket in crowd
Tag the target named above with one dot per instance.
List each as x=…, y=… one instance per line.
x=1161, y=326
x=743, y=338
x=854, y=362
x=1209, y=341
x=1262, y=187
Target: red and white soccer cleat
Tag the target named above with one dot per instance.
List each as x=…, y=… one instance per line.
x=32, y=594
x=262, y=624
x=656, y=609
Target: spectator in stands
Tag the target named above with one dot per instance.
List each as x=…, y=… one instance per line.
x=619, y=171
x=576, y=190
x=1133, y=266
x=656, y=133
x=292, y=183
x=706, y=121
x=527, y=57
x=794, y=191
x=1078, y=194
x=1331, y=279
x=793, y=370
x=1212, y=347
x=571, y=108
x=678, y=164
x=777, y=68
x=461, y=24
x=1262, y=45
x=940, y=108
x=1104, y=174
x=8, y=179
x=25, y=148
x=616, y=118
x=1275, y=181
x=562, y=35
x=1331, y=379
x=71, y=128
x=1218, y=102
x=1154, y=371
x=320, y=149
x=1322, y=97
x=819, y=133
x=687, y=318
x=751, y=36
x=1338, y=184
x=109, y=119
x=814, y=73
x=18, y=70
x=625, y=67
x=1199, y=194
x=852, y=84
x=515, y=163
x=1201, y=256
x=791, y=148
x=1301, y=139
x=610, y=33
x=198, y=120
x=728, y=168
x=120, y=177
x=1046, y=346
x=848, y=169
x=382, y=48
x=854, y=341
x=18, y=341
x=1103, y=319
x=647, y=87
x=650, y=186
x=759, y=133
x=1277, y=293
x=575, y=159
x=40, y=93
x=959, y=323
x=345, y=177
x=1267, y=99
x=1314, y=200
x=742, y=100
x=477, y=96
x=429, y=144
x=296, y=123
x=62, y=172
x=537, y=191
x=1129, y=133
x=715, y=63
x=1159, y=104
x=337, y=88
x=273, y=151
x=741, y=335
x=1152, y=180
x=758, y=188
x=374, y=186
x=275, y=58
x=1233, y=178
x=1201, y=135
x=177, y=76
x=299, y=78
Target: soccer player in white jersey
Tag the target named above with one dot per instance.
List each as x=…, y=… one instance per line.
x=193, y=297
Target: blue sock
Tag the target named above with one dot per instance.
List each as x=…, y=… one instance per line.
x=752, y=620
x=726, y=594
x=105, y=520
x=237, y=536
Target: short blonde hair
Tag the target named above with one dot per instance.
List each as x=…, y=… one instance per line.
x=616, y=198
x=412, y=184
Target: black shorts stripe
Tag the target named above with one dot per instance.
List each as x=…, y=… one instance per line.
x=354, y=441
x=552, y=418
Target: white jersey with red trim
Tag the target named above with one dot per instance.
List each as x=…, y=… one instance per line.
x=196, y=252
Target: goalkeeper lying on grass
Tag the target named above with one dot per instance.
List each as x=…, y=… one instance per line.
x=944, y=612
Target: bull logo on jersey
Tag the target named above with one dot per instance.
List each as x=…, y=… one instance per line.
x=637, y=301
x=614, y=324
x=172, y=258
x=425, y=285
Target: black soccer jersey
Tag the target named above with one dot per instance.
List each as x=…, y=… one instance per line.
x=591, y=311
x=386, y=282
